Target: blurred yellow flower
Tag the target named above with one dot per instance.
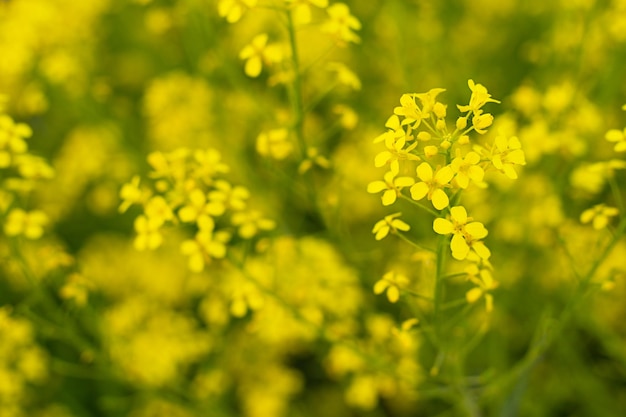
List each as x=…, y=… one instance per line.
x=28, y=223
x=391, y=282
x=598, y=215
x=390, y=223
x=341, y=24
x=233, y=10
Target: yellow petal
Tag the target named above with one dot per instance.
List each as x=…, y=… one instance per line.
x=444, y=175
x=253, y=67
x=380, y=286
x=473, y=295
x=482, y=250
x=476, y=229
x=393, y=294
x=443, y=226
x=419, y=191
x=389, y=197
x=402, y=182
x=376, y=187
x=440, y=199
x=459, y=247
x=425, y=172
x=400, y=225
x=459, y=214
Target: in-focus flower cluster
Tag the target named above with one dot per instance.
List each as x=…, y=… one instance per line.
x=428, y=158
x=189, y=189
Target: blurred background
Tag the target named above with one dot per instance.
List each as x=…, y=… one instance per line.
x=103, y=83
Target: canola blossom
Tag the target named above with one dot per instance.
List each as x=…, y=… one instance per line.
x=276, y=208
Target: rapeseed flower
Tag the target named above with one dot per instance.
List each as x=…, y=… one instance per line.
x=506, y=154
x=233, y=10
x=598, y=215
x=480, y=96
x=27, y=223
x=618, y=137
x=391, y=185
x=466, y=234
x=467, y=169
x=301, y=9
x=391, y=224
x=275, y=143
x=341, y=24
x=259, y=53
x=432, y=185
x=396, y=151
x=391, y=282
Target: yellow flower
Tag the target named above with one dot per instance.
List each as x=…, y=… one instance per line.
x=30, y=224
x=466, y=234
x=619, y=137
x=158, y=209
x=481, y=276
x=12, y=141
x=481, y=121
x=432, y=185
x=599, y=215
x=389, y=224
x=257, y=53
x=480, y=96
x=148, y=233
x=232, y=10
x=410, y=111
x=301, y=9
x=430, y=103
x=391, y=282
x=395, y=152
x=132, y=194
x=198, y=206
x=250, y=223
x=208, y=244
x=467, y=169
x=391, y=185
x=209, y=165
x=274, y=143
x=505, y=154
x=313, y=158
x=226, y=195
x=341, y=24
x=344, y=75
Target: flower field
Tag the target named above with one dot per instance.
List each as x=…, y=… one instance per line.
x=302, y=208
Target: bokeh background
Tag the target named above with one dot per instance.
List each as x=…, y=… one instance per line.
x=103, y=83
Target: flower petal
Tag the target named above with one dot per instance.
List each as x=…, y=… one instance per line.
x=440, y=199
x=443, y=226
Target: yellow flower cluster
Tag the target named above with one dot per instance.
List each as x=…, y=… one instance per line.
x=23, y=364
x=20, y=171
x=600, y=215
x=283, y=60
x=189, y=189
x=446, y=162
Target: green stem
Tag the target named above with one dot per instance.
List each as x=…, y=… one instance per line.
x=296, y=88
x=418, y=295
x=545, y=335
x=441, y=255
x=616, y=195
x=410, y=242
x=415, y=203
